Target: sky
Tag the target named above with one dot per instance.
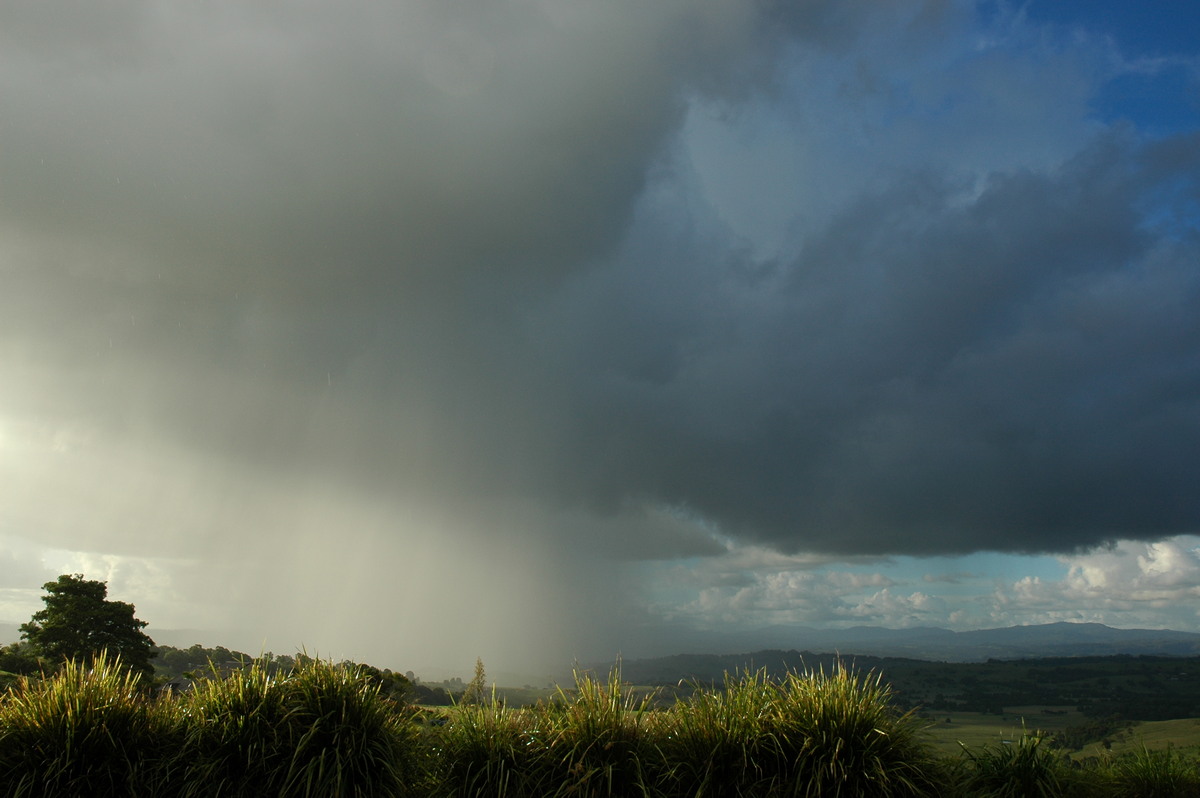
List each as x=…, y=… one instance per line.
x=544, y=330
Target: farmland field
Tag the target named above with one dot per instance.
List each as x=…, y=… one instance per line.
x=1183, y=735
x=976, y=729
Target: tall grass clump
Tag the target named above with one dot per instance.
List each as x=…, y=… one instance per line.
x=322, y=730
x=851, y=739
x=721, y=742
x=91, y=729
x=237, y=742
x=810, y=734
x=587, y=741
x=348, y=739
x=1155, y=774
x=486, y=750
x=1026, y=768
x=599, y=737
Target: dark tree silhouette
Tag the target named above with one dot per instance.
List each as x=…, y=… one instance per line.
x=79, y=623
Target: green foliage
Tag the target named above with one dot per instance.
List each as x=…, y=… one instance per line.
x=80, y=623
x=725, y=742
x=88, y=730
x=171, y=662
x=429, y=695
x=1025, y=768
x=319, y=729
x=599, y=740
x=854, y=741
x=18, y=658
x=390, y=684
x=1155, y=774
x=812, y=734
x=486, y=750
x=347, y=740
x=589, y=741
x=236, y=742
x=1093, y=730
x=322, y=729
x=1137, y=688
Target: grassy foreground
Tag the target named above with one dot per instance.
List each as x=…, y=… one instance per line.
x=324, y=730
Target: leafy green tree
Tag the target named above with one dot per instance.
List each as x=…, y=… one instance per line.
x=16, y=659
x=79, y=622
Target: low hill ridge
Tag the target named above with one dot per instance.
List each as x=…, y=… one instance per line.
x=1059, y=639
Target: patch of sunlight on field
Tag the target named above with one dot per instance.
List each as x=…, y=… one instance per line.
x=974, y=729
x=1183, y=735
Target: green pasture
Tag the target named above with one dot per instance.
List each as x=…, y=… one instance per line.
x=1181, y=735
x=951, y=730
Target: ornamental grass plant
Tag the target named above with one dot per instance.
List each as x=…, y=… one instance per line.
x=599, y=737
x=1025, y=768
x=90, y=729
x=237, y=741
x=810, y=734
x=1164, y=773
x=588, y=741
x=347, y=739
x=846, y=737
x=322, y=730
x=486, y=750
x=722, y=742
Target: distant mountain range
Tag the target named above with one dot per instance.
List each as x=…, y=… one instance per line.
x=1012, y=642
x=942, y=645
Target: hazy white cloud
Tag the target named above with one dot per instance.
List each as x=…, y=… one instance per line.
x=886, y=608
x=752, y=586
x=1129, y=584
x=826, y=597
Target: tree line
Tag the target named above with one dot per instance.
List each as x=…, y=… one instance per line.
x=79, y=623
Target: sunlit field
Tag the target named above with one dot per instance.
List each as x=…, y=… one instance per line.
x=951, y=730
x=1182, y=735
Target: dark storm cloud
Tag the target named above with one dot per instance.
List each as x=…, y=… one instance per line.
x=449, y=254
x=936, y=371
